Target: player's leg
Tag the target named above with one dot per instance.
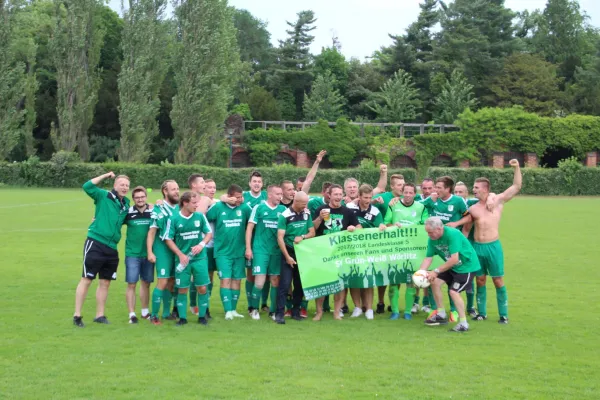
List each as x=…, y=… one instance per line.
x=285, y=281
x=146, y=278
x=239, y=273
x=265, y=293
x=182, y=284
x=460, y=283
x=381, y=297
x=107, y=273
x=496, y=271
x=481, y=296
x=249, y=285
x=471, y=300
x=297, y=294
x=409, y=298
x=133, y=266
x=212, y=267
x=367, y=301
x=92, y=261
x=338, y=304
x=193, y=297
x=174, y=294
x=344, y=308
x=225, y=271
x=201, y=279
x=394, y=295
x=80, y=294
x=356, y=299
x=439, y=317
x=319, y=306
x=165, y=272
x=274, y=288
x=260, y=264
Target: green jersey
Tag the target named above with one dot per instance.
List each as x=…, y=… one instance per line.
x=295, y=224
x=450, y=210
x=252, y=201
x=161, y=215
x=188, y=232
x=313, y=203
x=369, y=218
x=383, y=207
x=138, y=224
x=109, y=215
x=230, y=229
x=471, y=202
x=453, y=241
x=416, y=213
x=266, y=219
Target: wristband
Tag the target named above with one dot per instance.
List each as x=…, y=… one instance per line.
x=437, y=271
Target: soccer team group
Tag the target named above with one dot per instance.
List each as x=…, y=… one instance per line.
x=251, y=234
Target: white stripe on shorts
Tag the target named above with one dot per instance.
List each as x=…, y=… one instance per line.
x=86, y=249
x=463, y=286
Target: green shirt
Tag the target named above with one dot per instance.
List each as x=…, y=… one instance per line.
x=109, y=215
x=472, y=202
x=314, y=203
x=450, y=210
x=252, y=201
x=188, y=232
x=453, y=241
x=369, y=218
x=295, y=224
x=230, y=229
x=416, y=213
x=383, y=207
x=138, y=224
x=161, y=215
x=266, y=220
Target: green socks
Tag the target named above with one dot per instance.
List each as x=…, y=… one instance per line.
x=482, y=300
x=502, y=299
x=409, y=297
x=452, y=306
x=432, y=302
x=256, y=296
x=193, y=295
x=209, y=289
x=202, y=304
x=166, y=300
x=273, y=306
x=249, y=287
x=394, y=295
x=156, y=301
x=416, y=300
x=182, y=305
x=425, y=299
x=326, y=305
x=226, y=298
x=265, y=291
x=471, y=297
x=235, y=296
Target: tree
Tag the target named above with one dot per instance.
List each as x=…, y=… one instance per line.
x=142, y=73
x=397, y=100
x=254, y=40
x=205, y=75
x=455, y=97
x=586, y=90
x=333, y=61
x=363, y=80
x=324, y=101
x=293, y=71
x=529, y=81
x=262, y=103
x=75, y=47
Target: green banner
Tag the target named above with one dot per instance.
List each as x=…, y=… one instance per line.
x=360, y=259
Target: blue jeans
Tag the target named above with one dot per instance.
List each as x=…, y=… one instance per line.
x=137, y=268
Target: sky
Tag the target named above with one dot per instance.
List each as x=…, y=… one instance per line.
x=361, y=26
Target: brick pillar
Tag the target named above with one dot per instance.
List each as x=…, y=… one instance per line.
x=464, y=164
x=302, y=160
x=592, y=159
x=498, y=160
x=531, y=160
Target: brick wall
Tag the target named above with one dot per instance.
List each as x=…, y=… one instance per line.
x=498, y=160
x=592, y=159
x=531, y=160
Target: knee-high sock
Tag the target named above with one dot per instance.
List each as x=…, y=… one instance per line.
x=209, y=289
x=482, y=300
x=202, y=304
x=249, y=286
x=409, y=298
x=471, y=297
x=502, y=298
x=225, y=298
x=182, y=299
x=156, y=301
x=193, y=295
x=394, y=295
x=273, y=306
x=256, y=296
x=235, y=296
x=166, y=298
x=432, y=302
x=266, y=291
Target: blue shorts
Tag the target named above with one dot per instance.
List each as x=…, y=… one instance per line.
x=137, y=268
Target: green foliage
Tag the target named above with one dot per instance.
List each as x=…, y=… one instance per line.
x=263, y=154
x=332, y=61
x=103, y=148
x=262, y=104
x=363, y=81
x=397, y=100
x=455, y=97
x=253, y=39
x=536, y=181
x=324, y=101
x=243, y=110
x=570, y=167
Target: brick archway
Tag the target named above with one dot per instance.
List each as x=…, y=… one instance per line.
x=443, y=160
x=285, y=157
x=403, y=161
x=240, y=159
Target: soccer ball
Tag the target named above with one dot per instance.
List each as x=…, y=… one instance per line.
x=420, y=279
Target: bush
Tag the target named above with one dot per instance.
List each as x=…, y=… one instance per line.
x=44, y=174
x=536, y=181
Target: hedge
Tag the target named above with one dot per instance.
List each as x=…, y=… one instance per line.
x=536, y=181
x=71, y=175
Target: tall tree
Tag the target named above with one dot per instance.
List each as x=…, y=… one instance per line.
x=254, y=40
x=75, y=47
x=529, y=81
x=397, y=100
x=205, y=75
x=293, y=71
x=455, y=97
x=142, y=73
x=324, y=101
x=363, y=80
x=586, y=90
x=333, y=61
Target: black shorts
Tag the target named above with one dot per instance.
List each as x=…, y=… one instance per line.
x=99, y=259
x=457, y=281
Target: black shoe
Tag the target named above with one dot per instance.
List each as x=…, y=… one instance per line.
x=208, y=316
x=389, y=308
x=345, y=309
x=264, y=308
x=479, y=317
x=272, y=316
x=436, y=320
x=133, y=320
x=175, y=312
x=380, y=308
x=181, y=322
x=296, y=316
x=364, y=309
x=279, y=319
x=172, y=317
x=202, y=321
x=459, y=328
x=101, y=320
x=77, y=321
x=472, y=312
x=503, y=320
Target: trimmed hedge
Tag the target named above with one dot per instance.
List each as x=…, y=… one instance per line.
x=71, y=175
x=536, y=181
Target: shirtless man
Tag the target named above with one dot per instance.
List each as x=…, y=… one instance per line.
x=487, y=241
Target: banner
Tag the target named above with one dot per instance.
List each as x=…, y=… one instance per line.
x=361, y=259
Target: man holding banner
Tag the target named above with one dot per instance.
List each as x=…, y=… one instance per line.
x=457, y=271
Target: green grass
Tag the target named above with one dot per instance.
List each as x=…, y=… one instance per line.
x=549, y=350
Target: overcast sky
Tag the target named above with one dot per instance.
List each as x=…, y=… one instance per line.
x=362, y=26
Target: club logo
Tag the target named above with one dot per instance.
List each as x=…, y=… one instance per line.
x=414, y=213
x=238, y=213
x=196, y=224
x=450, y=208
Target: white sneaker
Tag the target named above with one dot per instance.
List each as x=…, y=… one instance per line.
x=255, y=315
x=194, y=310
x=228, y=316
x=426, y=309
x=357, y=312
x=369, y=314
x=414, y=309
x=236, y=314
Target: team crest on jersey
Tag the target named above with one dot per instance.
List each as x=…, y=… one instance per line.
x=238, y=213
x=278, y=214
x=414, y=213
x=368, y=217
x=197, y=224
x=266, y=213
x=450, y=207
x=305, y=217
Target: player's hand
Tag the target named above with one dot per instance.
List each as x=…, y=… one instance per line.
x=382, y=227
x=152, y=258
x=514, y=163
x=248, y=254
x=431, y=276
x=198, y=248
x=452, y=224
x=377, y=200
x=159, y=202
x=231, y=201
x=290, y=261
x=351, y=228
x=320, y=156
x=110, y=175
x=298, y=239
x=183, y=259
x=383, y=168
x=393, y=201
x=434, y=196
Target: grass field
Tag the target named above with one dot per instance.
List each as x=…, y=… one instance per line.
x=549, y=350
